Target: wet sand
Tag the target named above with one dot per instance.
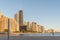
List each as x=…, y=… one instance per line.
x=31, y=38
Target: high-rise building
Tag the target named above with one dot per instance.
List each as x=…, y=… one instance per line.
x=20, y=18
x=16, y=16
x=4, y=24
x=28, y=26
x=37, y=28
x=42, y=29
x=33, y=26
x=13, y=25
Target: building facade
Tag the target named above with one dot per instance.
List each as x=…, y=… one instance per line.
x=33, y=26
x=4, y=24
x=28, y=24
x=21, y=18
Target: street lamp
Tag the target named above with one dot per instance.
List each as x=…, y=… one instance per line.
x=8, y=28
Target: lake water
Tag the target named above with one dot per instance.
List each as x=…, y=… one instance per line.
x=46, y=34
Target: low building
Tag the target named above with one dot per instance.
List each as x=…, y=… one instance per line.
x=23, y=28
x=50, y=30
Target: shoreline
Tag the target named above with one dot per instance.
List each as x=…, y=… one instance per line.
x=31, y=38
x=17, y=34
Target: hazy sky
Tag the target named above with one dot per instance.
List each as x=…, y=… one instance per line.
x=44, y=12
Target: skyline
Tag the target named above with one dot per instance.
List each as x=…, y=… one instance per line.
x=43, y=12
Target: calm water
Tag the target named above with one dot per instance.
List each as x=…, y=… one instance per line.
x=33, y=37
x=46, y=34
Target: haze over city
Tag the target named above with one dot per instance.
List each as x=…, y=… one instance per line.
x=46, y=13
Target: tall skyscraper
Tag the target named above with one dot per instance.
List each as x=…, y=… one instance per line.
x=20, y=18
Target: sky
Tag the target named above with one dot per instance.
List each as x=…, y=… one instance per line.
x=44, y=12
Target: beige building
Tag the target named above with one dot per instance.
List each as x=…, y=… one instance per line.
x=16, y=16
x=28, y=24
x=13, y=25
x=40, y=29
x=4, y=24
x=50, y=30
x=33, y=26
x=19, y=18
x=46, y=31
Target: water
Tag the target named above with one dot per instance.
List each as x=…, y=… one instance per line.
x=45, y=34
